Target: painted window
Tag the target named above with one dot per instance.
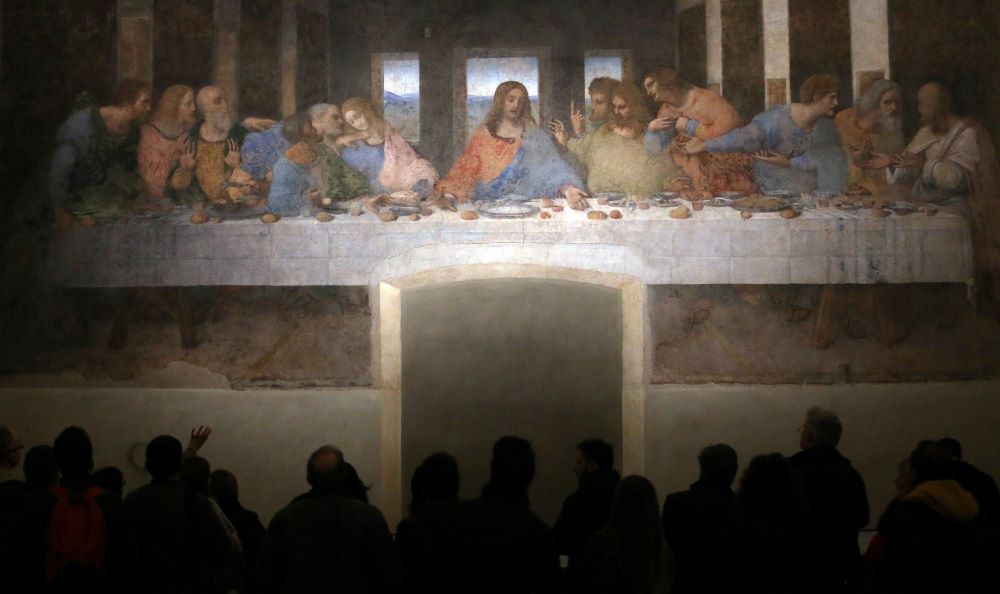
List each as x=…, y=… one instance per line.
x=604, y=63
x=400, y=90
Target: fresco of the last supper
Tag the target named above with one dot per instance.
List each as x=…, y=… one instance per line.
x=410, y=229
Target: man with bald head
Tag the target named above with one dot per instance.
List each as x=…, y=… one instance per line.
x=324, y=541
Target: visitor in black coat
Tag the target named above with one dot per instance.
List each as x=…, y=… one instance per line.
x=978, y=483
x=629, y=556
x=226, y=492
x=772, y=513
x=932, y=538
x=506, y=548
x=586, y=511
x=327, y=542
x=836, y=505
x=429, y=539
x=701, y=526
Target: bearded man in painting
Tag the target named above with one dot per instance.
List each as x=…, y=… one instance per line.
x=870, y=132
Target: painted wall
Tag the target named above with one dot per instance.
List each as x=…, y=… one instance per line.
x=266, y=436
x=482, y=359
x=882, y=424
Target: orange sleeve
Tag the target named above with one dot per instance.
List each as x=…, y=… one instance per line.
x=461, y=180
x=717, y=116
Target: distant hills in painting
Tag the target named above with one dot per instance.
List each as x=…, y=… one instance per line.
x=403, y=112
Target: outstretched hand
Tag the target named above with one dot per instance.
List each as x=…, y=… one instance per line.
x=199, y=435
x=558, y=131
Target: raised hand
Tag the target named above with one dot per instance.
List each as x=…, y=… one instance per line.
x=233, y=158
x=199, y=435
x=577, y=118
x=187, y=153
x=558, y=131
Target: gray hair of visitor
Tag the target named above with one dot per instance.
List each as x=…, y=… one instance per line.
x=869, y=99
x=824, y=425
x=319, y=110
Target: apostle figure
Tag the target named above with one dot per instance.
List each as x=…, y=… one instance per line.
x=614, y=155
x=216, y=142
x=600, y=112
x=164, y=147
x=953, y=162
x=795, y=146
x=510, y=154
x=341, y=182
x=93, y=171
x=688, y=111
x=381, y=153
x=872, y=127
x=296, y=183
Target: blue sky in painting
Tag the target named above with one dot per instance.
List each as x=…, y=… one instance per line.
x=401, y=77
x=483, y=75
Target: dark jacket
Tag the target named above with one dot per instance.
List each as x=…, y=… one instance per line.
x=248, y=527
x=701, y=528
x=429, y=542
x=175, y=541
x=836, y=508
x=934, y=541
x=601, y=573
x=12, y=496
x=506, y=549
x=979, y=484
x=329, y=544
x=584, y=512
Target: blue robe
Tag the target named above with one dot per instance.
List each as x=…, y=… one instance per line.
x=368, y=159
x=261, y=151
x=290, y=185
x=818, y=161
x=536, y=170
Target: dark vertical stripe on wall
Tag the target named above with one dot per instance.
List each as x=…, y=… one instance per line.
x=311, y=76
x=743, y=55
x=692, y=45
x=819, y=42
x=959, y=46
x=183, y=43
x=260, y=58
x=53, y=50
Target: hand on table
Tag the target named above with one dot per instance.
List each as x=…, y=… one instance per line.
x=443, y=202
x=576, y=198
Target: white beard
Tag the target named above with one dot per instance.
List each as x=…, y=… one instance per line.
x=890, y=124
x=222, y=120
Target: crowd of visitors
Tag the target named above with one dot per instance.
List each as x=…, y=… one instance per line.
x=792, y=525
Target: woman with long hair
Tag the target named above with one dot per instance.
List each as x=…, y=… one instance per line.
x=630, y=555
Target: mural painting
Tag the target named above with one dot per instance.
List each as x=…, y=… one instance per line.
x=816, y=211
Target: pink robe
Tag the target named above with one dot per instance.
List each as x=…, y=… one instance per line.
x=158, y=157
x=403, y=167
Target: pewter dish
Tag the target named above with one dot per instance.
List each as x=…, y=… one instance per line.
x=402, y=211
x=504, y=210
x=513, y=198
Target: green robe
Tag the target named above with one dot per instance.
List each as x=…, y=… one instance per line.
x=342, y=182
